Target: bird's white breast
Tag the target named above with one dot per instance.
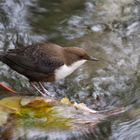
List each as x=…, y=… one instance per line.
x=65, y=70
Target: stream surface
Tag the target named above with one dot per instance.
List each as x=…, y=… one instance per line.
x=107, y=29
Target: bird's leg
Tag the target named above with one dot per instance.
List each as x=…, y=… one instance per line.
x=44, y=89
x=35, y=87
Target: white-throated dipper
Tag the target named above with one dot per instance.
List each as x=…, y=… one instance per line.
x=45, y=62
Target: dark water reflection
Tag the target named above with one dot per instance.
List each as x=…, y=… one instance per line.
x=109, y=30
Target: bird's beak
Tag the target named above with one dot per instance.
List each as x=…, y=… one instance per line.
x=93, y=58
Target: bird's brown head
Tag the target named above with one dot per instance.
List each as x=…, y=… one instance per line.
x=74, y=54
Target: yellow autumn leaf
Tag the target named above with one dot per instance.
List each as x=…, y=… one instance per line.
x=65, y=100
x=36, y=102
x=11, y=103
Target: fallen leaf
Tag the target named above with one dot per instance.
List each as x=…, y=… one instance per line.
x=82, y=106
x=7, y=88
x=12, y=103
x=66, y=101
x=37, y=102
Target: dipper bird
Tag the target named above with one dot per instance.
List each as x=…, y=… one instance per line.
x=45, y=62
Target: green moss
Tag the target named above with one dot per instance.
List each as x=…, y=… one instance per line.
x=43, y=117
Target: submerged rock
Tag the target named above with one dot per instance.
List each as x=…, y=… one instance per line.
x=33, y=118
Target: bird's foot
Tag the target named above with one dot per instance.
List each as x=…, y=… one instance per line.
x=35, y=87
x=45, y=91
x=42, y=90
x=48, y=94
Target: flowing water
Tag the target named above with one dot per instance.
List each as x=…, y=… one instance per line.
x=107, y=29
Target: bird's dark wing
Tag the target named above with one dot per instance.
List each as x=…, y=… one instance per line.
x=44, y=64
